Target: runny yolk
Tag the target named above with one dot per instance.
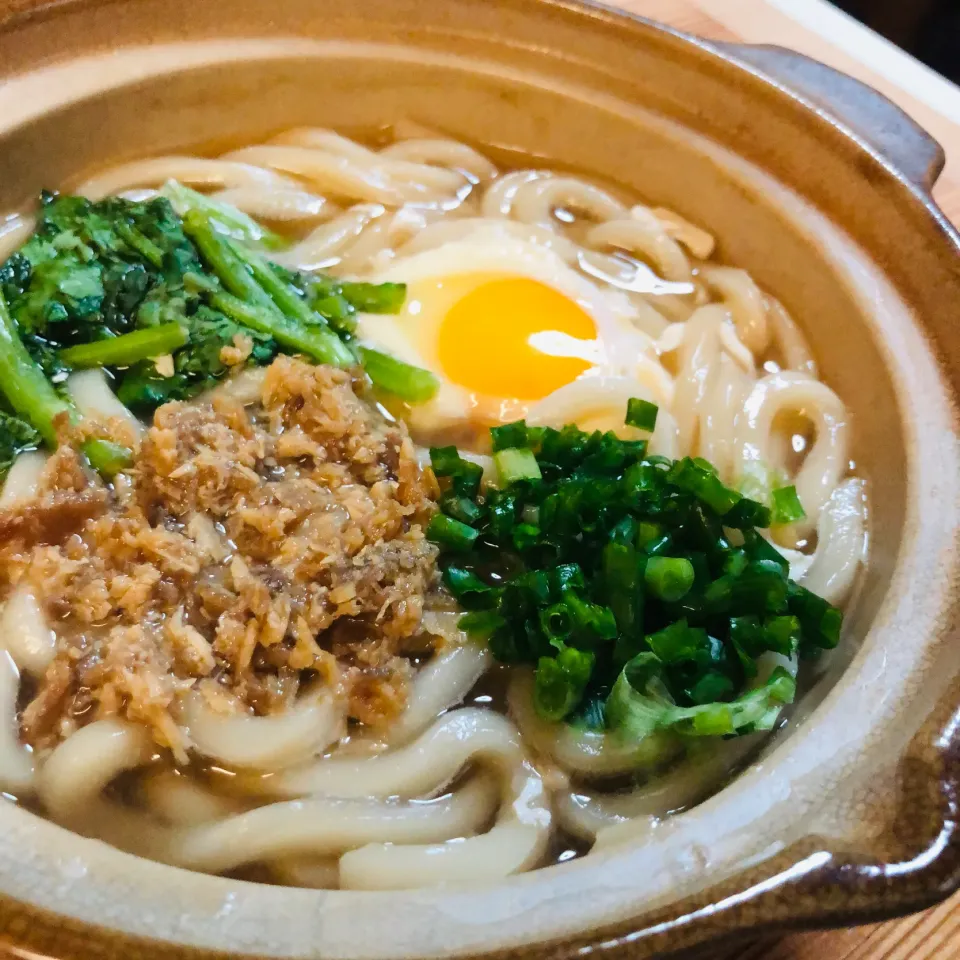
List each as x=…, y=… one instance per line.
x=516, y=338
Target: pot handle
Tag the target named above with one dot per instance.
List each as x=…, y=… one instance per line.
x=869, y=114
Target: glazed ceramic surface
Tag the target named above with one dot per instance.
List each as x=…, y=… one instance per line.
x=814, y=184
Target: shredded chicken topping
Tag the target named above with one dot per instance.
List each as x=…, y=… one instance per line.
x=250, y=550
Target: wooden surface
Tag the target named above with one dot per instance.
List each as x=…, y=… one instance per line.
x=813, y=28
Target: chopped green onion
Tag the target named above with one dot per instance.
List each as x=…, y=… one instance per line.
x=710, y=687
x=641, y=414
x=509, y=435
x=556, y=622
x=677, y=642
x=669, y=578
x=525, y=536
x=593, y=621
x=481, y=623
x=460, y=508
x=465, y=474
x=412, y=384
x=747, y=513
x=560, y=682
x=516, y=464
x=467, y=587
x=786, y=505
x=609, y=569
x=703, y=484
x=447, y=532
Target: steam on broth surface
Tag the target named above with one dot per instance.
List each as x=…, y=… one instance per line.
x=234, y=627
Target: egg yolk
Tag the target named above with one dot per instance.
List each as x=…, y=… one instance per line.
x=516, y=338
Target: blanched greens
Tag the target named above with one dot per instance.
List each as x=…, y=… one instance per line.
x=641, y=588
x=122, y=284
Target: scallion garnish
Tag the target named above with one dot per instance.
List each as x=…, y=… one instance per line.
x=669, y=578
x=509, y=435
x=641, y=414
x=515, y=464
x=450, y=533
x=786, y=505
x=612, y=572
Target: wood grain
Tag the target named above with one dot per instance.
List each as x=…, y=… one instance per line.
x=934, y=935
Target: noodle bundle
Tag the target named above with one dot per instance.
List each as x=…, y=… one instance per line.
x=364, y=762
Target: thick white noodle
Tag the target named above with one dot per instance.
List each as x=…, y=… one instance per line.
x=444, y=681
x=644, y=237
x=535, y=201
x=181, y=801
x=793, y=347
x=826, y=460
x=24, y=477
x=317, y=873
x=698, y=355
x=324, y=243
x=196, y=171
x=423, y=177
x=442, y=153
x=77, y=771
x=323, y=827
x=584, y=813
x=516, y=842
x=745, y=302
x=423, y=767
x=587, y=753
x=700, y=243
x=349, y=818
x=93, y=397
x=840, y=543
x=285, y=204
x=264, y=743
x=25, y=633
x=16, y=761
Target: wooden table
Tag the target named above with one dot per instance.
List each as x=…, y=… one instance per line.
x=819, y=30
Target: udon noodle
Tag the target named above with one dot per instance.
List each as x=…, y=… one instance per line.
x=460, y=785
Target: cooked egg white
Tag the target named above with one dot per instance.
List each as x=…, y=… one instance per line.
x=502, y=323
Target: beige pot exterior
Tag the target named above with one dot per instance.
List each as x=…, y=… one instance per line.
x=852, y=814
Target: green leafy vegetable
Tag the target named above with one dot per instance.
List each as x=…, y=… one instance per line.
x=128, y=348
x=25, y=385
x=16, y=436
x=412, y=384
x=227, y=219
x=106, y=457
x=116, y=283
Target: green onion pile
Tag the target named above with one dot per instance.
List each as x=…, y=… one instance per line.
x=639, y=587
